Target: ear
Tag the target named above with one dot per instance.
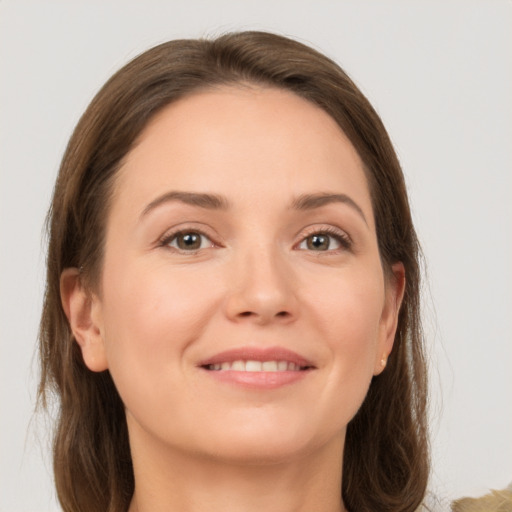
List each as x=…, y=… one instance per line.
x=395, y=288
x=83, y=310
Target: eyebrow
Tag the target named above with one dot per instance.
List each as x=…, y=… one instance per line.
x=218, y=202
x=208, y=201
x=312, y=201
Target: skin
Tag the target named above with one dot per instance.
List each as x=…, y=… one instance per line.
x=257, y=280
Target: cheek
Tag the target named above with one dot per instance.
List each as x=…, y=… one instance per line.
x=153, y=306
x=348, y=319
x=150, y=319
x=349, y=310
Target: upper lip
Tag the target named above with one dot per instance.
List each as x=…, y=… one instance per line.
x=257, y=354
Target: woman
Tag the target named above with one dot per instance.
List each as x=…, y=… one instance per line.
x=232, y=319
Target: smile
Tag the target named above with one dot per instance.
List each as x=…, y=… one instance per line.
x=256, y=366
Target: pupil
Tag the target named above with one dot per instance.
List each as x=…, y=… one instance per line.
x=189, y=241
x=318, y=242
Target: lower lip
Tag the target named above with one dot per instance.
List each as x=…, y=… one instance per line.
x=258, y=380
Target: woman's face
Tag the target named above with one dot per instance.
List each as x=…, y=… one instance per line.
x=243, y=307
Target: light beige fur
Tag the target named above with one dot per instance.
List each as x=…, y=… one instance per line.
x=495, y=501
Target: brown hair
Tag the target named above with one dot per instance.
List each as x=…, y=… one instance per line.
x=386, y=462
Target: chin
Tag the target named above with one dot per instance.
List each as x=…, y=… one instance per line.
x=265, y=446
x=259, y=452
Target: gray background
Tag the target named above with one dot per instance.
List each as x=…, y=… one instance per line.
x=440, y=75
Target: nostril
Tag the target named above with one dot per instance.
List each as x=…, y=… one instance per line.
x=280, y=314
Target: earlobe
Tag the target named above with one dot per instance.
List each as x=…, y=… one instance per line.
x=395, y=289
x=83, y=311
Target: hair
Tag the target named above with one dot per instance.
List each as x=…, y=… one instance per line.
x=386, y=456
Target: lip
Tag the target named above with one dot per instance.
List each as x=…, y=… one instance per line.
x=257, y=380
x=257, y=354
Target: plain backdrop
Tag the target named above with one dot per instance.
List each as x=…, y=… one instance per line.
x=439, y=74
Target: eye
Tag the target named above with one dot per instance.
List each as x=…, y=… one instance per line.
x=324, y=241
x=188, y=241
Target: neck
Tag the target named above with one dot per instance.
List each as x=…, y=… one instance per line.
x=169, y=480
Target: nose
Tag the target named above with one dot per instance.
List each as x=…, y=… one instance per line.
x=262, y=289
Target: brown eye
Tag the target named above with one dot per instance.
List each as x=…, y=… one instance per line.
x=189, y=241
x=324, y=241
x=318, y=242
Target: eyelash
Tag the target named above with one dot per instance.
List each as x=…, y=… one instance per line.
x=168, y=238
x=339, y=236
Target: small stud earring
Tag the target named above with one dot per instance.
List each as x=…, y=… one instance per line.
x=383, y=362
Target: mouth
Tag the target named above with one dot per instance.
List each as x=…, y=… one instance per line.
x=258, y=368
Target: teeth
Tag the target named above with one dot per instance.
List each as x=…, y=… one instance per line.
x=282, y=366
x=256, y=366
x=269, y=366
x=238, y=366
x=253, y=366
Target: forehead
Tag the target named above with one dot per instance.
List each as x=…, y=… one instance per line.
x=243, y=140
